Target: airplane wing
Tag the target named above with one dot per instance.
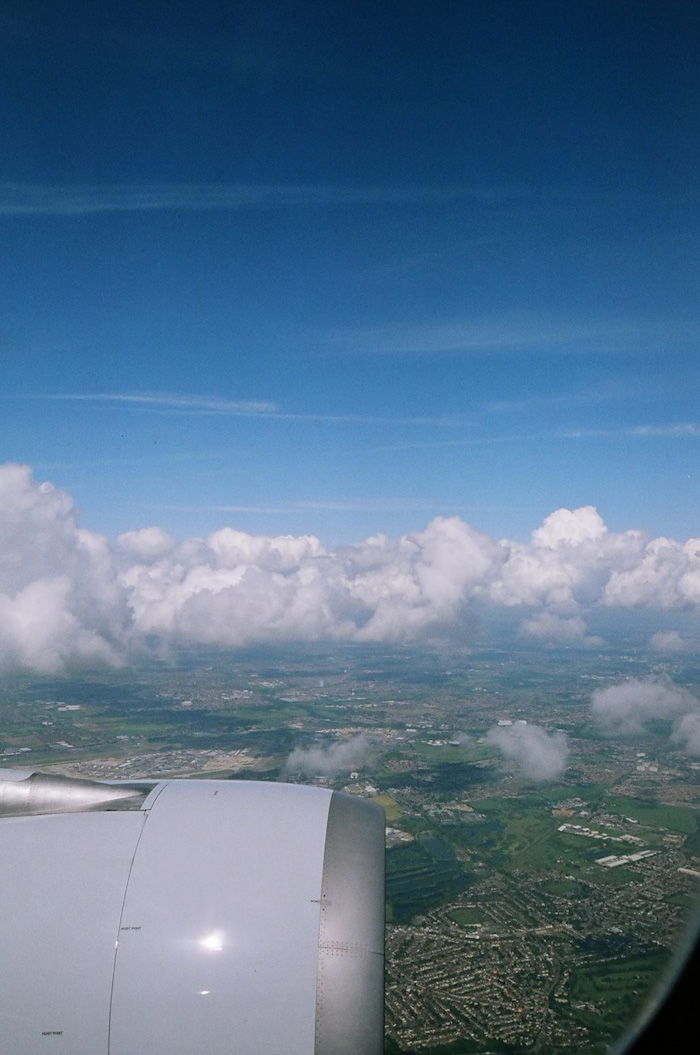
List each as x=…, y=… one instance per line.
x=189, y=917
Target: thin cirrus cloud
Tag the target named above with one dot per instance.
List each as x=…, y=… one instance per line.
x=160, y=402
x=467, y=441
x=70, y=598
x=367, y=505
x=166, y=401
x=21, y=199
x=485, y=336
x=555, y=400
x=615, y=390
x=678, y=431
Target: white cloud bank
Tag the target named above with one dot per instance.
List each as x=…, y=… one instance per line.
x=539, y=755
x=61, y=601
x=70, y=597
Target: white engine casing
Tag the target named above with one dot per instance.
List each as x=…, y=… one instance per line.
x=219, y=917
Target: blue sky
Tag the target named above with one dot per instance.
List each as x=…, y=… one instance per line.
x=338, y=268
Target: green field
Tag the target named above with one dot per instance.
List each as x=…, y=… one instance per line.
x=420, y=876
x=610, y=876
x=530, y=842
x=443, y=754
x=515, y=839
x=692, y=843
x=684, y=900
x=681, y=819
x=390, y=806
x=467, y=917
x=618, y=990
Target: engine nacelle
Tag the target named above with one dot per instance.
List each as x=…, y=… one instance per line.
x=190, y=918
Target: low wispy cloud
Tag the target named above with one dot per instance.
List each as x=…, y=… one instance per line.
x=342, y=756
x=626, y=708
x=21, y=199
x=668, y=641
x=553, y=629
x=539, y=755
x=686, y=733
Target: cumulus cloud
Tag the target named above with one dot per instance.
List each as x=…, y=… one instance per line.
x=567, y=563
x=39, y=629
x=539, y=755
x=68, y=596
x=665, y=575
x=61, y=601
x=232, y=588
x=148, y=544
x=342, y=756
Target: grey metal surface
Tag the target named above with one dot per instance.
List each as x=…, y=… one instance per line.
x=62, y=882
x=221, y=916
x=350, y=987
x=218, y=941
x=34, y=794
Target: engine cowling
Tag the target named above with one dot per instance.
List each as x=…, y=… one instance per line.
x=190, y=918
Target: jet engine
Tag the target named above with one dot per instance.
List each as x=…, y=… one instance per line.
x=189, y=917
